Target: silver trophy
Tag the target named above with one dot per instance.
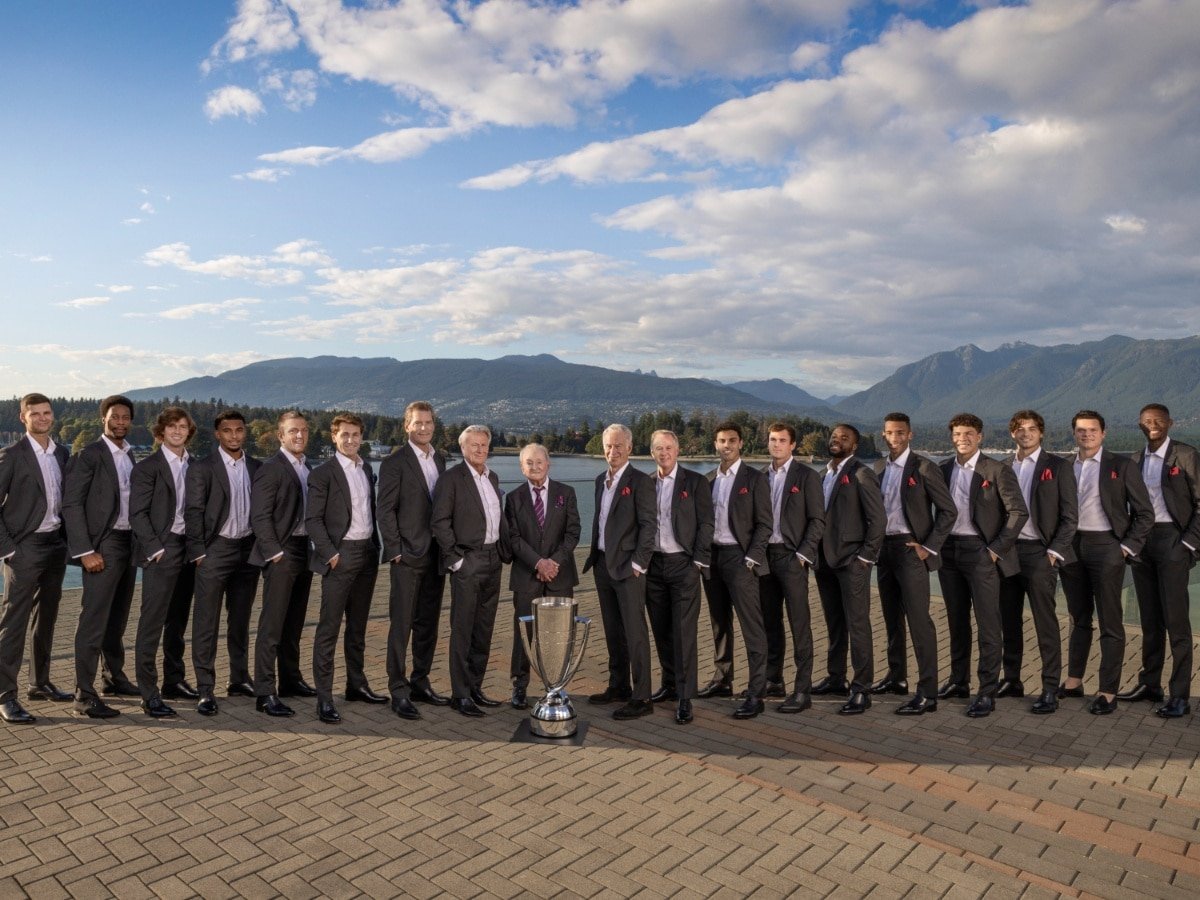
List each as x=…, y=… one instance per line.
x=552, y=654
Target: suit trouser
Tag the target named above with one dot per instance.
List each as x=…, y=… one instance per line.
x=623, y=611
x=846, y=601
x=286, y=586
x=786, y=586
x=345, y=593
x=103, y=615
x=33, y=579
x=1037, y=580
x=673, y=606
x=414, y=611
x=224, y=570
x=731, y=586
x=1161, y=580
x=971, y=580
x=903, y=581
x=474, y=596
x=1093, y=585
x=166, y=589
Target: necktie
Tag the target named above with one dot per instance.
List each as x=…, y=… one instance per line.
x=539, y=508
x=608, y=482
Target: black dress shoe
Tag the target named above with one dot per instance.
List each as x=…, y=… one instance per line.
x=14, y=713
x=610, y=695
x=981, y=707
x=796, y=703
x=1142, y=692
x=1010, y=687
x=364, y=694
x=482, y=699
x=775, y=689
x=715, y=689
x=918, y=705
x=634, y=709
x=1063, y=691
x=403, y=707
x=155, y=708
x=180, y=690
x=859, y=702
x=95, y=709
x=427, y=695
x=328, y=713
x=1175, y=708
x=683, y=712
x=466, y=706
x=122, y=687
x=889, y=685
x=952, y=689
x=297, y=689
x=207, y=705
x=749, y=708
x=48, y=691
x=519, y=700
x=273, y=706
x=1046, y=703
x=664, y=694
x=831, y=685
x=240, y=689
x=1101, y=707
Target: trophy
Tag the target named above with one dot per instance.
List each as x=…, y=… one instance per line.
x=552, y=654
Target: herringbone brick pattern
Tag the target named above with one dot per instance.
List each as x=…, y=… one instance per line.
x=808, y=805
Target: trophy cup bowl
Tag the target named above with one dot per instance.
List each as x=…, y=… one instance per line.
x=555, y=650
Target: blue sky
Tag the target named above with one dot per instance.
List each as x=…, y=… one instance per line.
x=816, y=190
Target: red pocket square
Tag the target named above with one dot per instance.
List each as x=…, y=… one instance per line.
x=683, y=495
x=744, y=490
x=625, y=492
x=845, y=479
x=986, y=484
x=795, y=489
x=1174, y=471
x=1047, y=475
x=1113, y=476
x=912, y=482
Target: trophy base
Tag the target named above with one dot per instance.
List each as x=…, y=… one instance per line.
x=524, y=735
x=556, y=728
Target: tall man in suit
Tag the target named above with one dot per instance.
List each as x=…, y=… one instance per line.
x=623, y=529
x=219, y=541
x=157, y=499
x=981, y=549
x=854, y=529
x=468, y=523
x=797, y=523
x=33, y=553
x=741, y=529
x=1171, y=471
x=344, y=549
x=543, y=530
x=1046, y=542
x=920, y=513
x=682, y=550
x=277, y=506
x=407, y=479
x=95, y=512
x=1115, y=517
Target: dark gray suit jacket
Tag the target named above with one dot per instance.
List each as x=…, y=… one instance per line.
x=459, y=523
x=1054, y=504
x=276, y=507
x=208, y=500
x=750, y=517
x=556, y=540
x=629, y=530
x=801, y=509
x=1180, y=487
x=692, y=514
x=997, y=508
x=23, y=492
x=91, y=498
x=855, y=521
x=151, y=505
x=925, y=500
x=1125, y=500
x=330, y=511
x=405, y=506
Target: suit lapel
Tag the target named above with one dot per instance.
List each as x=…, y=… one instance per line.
x=30, y=456
x=339, y=475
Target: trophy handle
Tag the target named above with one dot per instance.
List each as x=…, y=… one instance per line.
x=523, y=629
x=574, y=664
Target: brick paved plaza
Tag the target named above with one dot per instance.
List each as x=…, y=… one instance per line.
x=808, y=805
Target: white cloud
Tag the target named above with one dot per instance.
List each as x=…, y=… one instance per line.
x=147, y=207
x=302, y=253
x=132, y=221
x=252, y=268
x=263, y=174
x=118, y=288
x=1123, y=223
x=231, y=310
x=302, y=156
x=84, y=302
x=232, y=100
x=107, y=369
x=297, y=89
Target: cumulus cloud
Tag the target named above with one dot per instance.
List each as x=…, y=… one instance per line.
x=233, y=100
x=118, y=288
x=251, y=268
x=263, y=174
x=107, y=369
x=302, y=252
x=297, y=89
x=231, y=310
x=84, y=302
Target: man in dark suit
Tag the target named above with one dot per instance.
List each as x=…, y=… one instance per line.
x=277, y=505
x=920, y=513
x=33, y=553
x=468, y=523
x=682, y=550
x=1171, y=471
x=344, y=550
x=95, y=512
x=741, y=529
x=219, y=542
x=407, y=480
x=543, y=530
x=157, y=499
x=1046, y=542
x=1115, y=517
x=798, y=521
x=854, y=529
x=623, y=528
x=980, y=550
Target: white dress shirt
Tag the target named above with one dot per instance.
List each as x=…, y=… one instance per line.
x=722, y=486
x=491, y=503
x=1091, y=512
x=664, y=488
x=428, y=466
x=237, y=525
x=1152, y=466
x=52, y=482
x=777, y=476
x=960, y=489
x=893, y=475
x=611, y=480
x=1024, y=469
x=120, y=457
x=361, y=524
x=178, y=466
x=300, y=467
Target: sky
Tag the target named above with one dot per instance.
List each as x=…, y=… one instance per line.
x=812, y=190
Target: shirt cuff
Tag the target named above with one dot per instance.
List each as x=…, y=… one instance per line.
x=458, y=565
x=869, y=562
x=8, y=556
x=397, y=557
x=929, y=551
x=83, y=554
x=200, y=557
x=155, y=557
x=639, y=569
x=278, y=555
x=1185, y=543
x=1055, y=554
x=700, y=564
x=804, y=559
x=1128, y=552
